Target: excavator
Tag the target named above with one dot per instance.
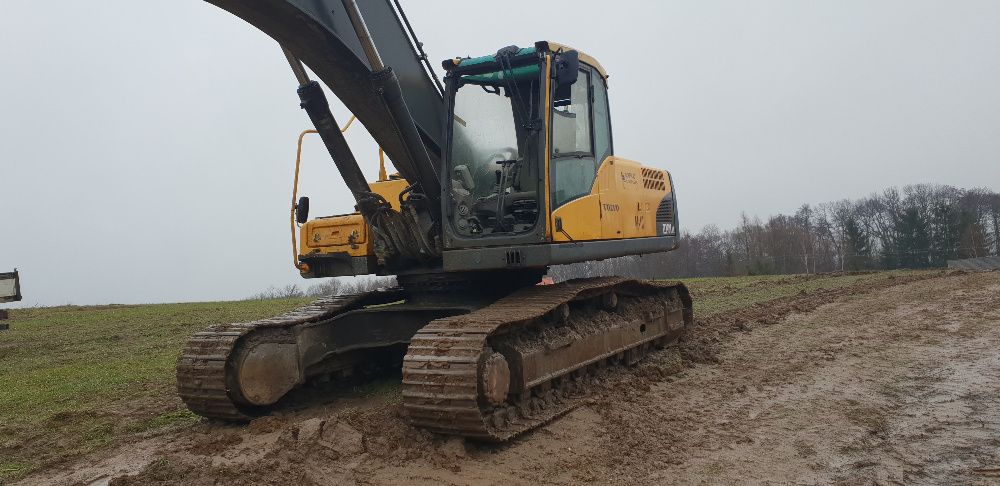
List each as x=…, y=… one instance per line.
x=505, y=168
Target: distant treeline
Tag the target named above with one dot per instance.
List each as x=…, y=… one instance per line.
x=920, y=226
x=327, y=287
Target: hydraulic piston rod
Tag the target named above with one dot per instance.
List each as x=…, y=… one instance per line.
x=313, y=100
x=422, y=172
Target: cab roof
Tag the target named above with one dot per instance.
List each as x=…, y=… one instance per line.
x=524, y=51
x=584, y=57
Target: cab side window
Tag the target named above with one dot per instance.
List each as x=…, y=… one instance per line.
x=572, y=148
x=571, y=123
x=602, y=120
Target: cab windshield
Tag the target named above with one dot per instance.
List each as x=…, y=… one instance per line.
x=492, y=157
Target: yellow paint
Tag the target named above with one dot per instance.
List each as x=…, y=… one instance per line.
x=347, y=233
x=333, y=234
x=381, y=166
x=295, y=192
x=637, y=190
x=621, y=204
x=548, y=117
x=347, y=125
x=390, y=190
x=343, y=230
x=584, y=57
x=612, y=211
x=578, y=219
x=339, y=234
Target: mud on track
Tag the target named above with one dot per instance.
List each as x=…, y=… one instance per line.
x=895, y=381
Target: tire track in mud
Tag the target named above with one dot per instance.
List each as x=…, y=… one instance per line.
x=894, y=386
x=627, y=432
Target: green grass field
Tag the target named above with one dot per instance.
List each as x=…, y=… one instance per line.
x=74, y=380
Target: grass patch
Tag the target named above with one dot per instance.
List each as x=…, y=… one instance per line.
x=176, y=418
x=718, y=295
x=77, y=379
x=13, y=469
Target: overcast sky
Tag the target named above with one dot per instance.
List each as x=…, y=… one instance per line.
x=146, y=148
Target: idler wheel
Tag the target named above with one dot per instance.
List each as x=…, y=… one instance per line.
x=494, y=379
x=266, y=368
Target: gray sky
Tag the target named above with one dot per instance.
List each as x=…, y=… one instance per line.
x=146, y=148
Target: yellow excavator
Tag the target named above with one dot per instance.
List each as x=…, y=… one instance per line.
x=505, y=168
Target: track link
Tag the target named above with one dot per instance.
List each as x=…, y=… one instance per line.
x=448, y=371
x=204, y=369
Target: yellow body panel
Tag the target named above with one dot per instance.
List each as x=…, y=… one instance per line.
x=347, y=233
x=577, y=218
x=390, y=190
x=584, y=57
x=621, y=204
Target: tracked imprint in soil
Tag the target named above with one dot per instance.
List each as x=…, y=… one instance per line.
x=673, y=418
x=520, y=362
x=206, y=380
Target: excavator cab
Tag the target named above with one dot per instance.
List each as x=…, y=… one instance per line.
x=493, y=140
x=514, y=117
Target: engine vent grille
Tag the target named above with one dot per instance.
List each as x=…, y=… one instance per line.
x=654, y=179
x=665, y=212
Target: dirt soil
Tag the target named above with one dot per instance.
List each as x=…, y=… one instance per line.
x=894, y=383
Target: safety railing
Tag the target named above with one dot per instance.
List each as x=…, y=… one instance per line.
x=382, y=176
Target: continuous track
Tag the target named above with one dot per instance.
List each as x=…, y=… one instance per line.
x=490, y=374
x=450, y=372
x=205, y=369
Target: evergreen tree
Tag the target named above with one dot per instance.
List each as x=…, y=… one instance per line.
x=913, y=242
x=857, y=246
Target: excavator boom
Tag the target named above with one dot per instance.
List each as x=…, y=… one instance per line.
x=321, y=34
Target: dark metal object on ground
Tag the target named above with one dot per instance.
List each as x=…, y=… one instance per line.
x=236, y=371
x=455, y=368
x=475, y=365
x=10, y=287
x=10, y=291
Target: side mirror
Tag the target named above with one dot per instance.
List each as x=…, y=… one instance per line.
x=302, y=210
x=567, y=70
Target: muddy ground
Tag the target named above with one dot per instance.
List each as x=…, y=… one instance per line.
x=889, y=383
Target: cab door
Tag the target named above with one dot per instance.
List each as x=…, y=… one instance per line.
x=575, y=203
x=585, y=191
x=608, y=180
